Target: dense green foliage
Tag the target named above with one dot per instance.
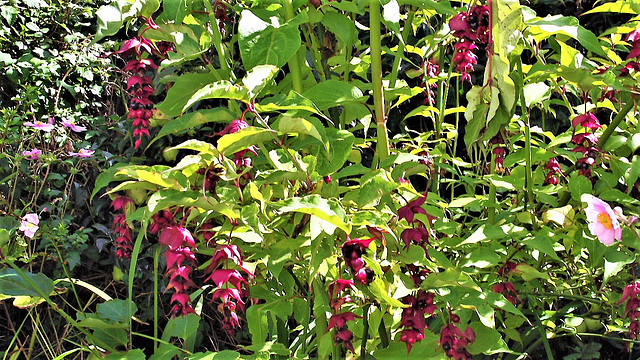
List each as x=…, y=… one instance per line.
x=318, y=179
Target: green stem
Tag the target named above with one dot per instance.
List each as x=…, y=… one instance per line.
x=365, y=332
x=614, y=124
x=491, y=207
x=321, y=317
x=527, y=139
x=132, y=272
x=294, y=62
x=382, y=146
x=217, y=40
x=156, y=318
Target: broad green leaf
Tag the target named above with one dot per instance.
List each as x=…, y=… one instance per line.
x=222, y=355
x=332, y=93
x=165, y=351
x=291, y=101
x=232, y=143
x=374, y=188
x=559, y=215
x=197, y=145
x=192, y=120
x=93, y=321
x=289, y=125
x=261, y=43
x=135, y=354
x=13, y=284
x=579, y=185
x=391, y=16
x=341, y=142
x=116, y=310
x=380, y=292
x=257, y=321
x=542, y=28
x=441, y=7
x=175, y=10
x=488, y=341
x=614, y=261
x=620, y=6
x=182, y=90
x=222, y=89
x=328, y=210
x=151, y=176
x=116, y=338
x=182, y=327
x=464, y=201
x=529, y=273
x=449, y=277
x=341, y=26
x=109, y=19
x=168, y=197
x=483, y=257
x=258, y=77
x=148, y=7
x=544, y=243
x=507, y=20
x=536, y=93
x=268, y=347
x=107, y=176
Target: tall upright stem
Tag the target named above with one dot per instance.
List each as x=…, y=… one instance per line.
x=382, y=146
x=527, y=139
x=614, y=123
x=294, y=62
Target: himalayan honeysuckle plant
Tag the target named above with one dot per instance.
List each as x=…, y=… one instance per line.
x=372, y=179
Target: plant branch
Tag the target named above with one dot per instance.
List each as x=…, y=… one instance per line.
x=382, y=146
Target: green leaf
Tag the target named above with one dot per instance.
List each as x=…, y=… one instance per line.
x=232, y=143
x=536, y=93
x=289, y=125
x=258, y=77
x=614, y=261
x=341, y=142
x=165, y=351
x=579, y=185
x=341, y=26
x=331, y=93
x=529, y=273
x=291, y=101
x=166, y=198
x=148, y=7
x=13, y=284
x=488, y=341
x=192, y=120
x=135, y=354
x=565, y=25
x=115, y=338
x=620, y=6
x=222, y=355
x=109, y=20
x=380, y=292
x=269, y=348
x=182, y=90
x=116, y=310
x=449, y=277
x=257, y=321
x=222, y=89
x=175, y=9
x=183, y=327
x=427, y=348
x=261, y=43
x=375, y=187
x=328, y=210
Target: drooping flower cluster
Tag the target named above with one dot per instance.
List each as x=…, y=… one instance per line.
x=240, y=159
x=419, y=233
x=508, y=291
x=220, y=10
x=499, y=152
x=140, y=84
x=586, y=142
x=554, y=168
x=231, y=284
x=632, y=308
x=414, y=317
x=634, y=38
x=352, y=251
x=454, y=342
x=603, y=221
x=123, y=231
x=430, y=71
x=161, y=220
x=180, y=262
x=338, y=321
x=472, y=28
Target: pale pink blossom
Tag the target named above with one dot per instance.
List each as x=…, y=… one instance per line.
x=32, y=154
x=69, y=123
x=29, y=225
x=41, y=125
x=603, y=221
x=83, y=153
